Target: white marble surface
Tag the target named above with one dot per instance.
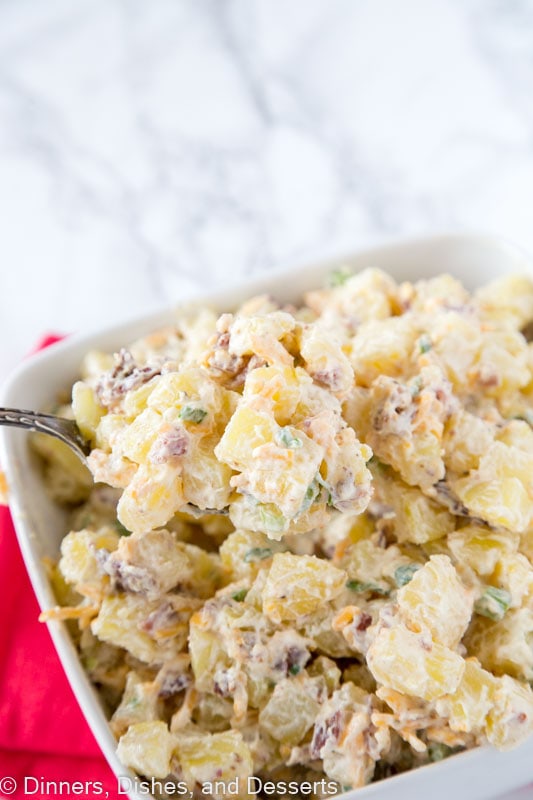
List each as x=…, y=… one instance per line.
x=149, y=147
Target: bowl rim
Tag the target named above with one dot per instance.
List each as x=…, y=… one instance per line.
x=229, y=295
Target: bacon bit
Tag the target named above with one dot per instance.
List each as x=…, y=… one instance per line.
x=293, y=660
x=220, y=360
x=122, y=378
x=162, y=622
x=488, y=380
x=395, y=412
x=254, y=363
x=130, y=578
x=170, y=445
x=365, y=621
x=331, y=378
x=224, y=684
x=345, y=492
x=174, y=684
x=327, y=731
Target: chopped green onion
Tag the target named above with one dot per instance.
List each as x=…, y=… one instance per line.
x=272, y=518
x=240, y=595
x=404, y=573
x=425, y=343
x=375, y=462
x=284, y=437
x=362, y=586
x=320, y=480
x=325, y=485
x=311, y=494
x=416, y=386
x=257, y=554
x=493, y=603
x=90, y=663
x=437, y=751
x=121, y=529
x=295, y=669
x=339, y=277
x=527, y=416
x=193, y=414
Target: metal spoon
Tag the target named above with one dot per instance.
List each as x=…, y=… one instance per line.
x=68, y=432
x=64, y=429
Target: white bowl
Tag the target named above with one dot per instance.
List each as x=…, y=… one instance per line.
x=474, y=775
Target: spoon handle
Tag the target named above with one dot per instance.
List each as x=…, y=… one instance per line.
x=64, y=429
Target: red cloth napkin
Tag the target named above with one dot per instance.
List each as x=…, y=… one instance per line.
x=43, y=734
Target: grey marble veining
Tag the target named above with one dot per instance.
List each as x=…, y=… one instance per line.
x=150, y=148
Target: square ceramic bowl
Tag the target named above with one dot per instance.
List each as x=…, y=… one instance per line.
x=474, y=775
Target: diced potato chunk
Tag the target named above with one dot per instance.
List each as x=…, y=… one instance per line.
x=120, y=622
x=367, y=563
x=507, y=300
x=280, y=386
x=325, y=359
x=137, y=439
x=135, y=401
x=109, y=431
x=166, y=563
x=245, y=552
x=468, y=706
x=290, y=712
x=246, y=430
x=173, y=388
x=139, y=704
x=151, y=498
x=417, y=518
x=436, y=600
x=206, y=651
x=481, y=548
x=147, y=748
x=78, y=561
x=281, y=475
x=407, y=662
x=514, y=573
x=466, y=438
x=504, y=645
x=206, y=481
x=299, y=585
x=500, y=490
x=511, y=719
x=86, y=409
x=382, y=347
x=260, y=335
x=221, y=757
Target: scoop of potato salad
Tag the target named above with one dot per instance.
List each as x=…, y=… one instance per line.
x=305, y=551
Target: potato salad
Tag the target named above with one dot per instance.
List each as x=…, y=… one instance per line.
x=303, y=554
